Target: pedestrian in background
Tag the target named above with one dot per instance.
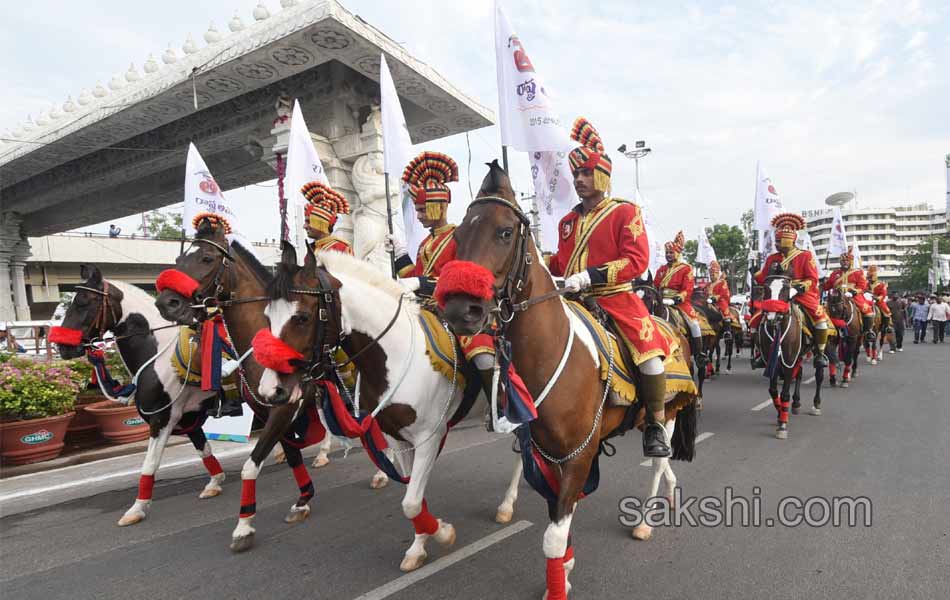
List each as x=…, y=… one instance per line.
x=937, y=315
x=898, y=317
x=918, y=314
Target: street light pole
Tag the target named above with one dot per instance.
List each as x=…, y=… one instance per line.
x=639, y=151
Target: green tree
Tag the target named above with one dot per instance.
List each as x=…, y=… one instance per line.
x=916, y=263
x=162, y=226
x=689, y=251
x=732, y=249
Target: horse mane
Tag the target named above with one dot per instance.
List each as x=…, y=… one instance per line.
x=263, y=273
x=280, y=285
x=340, y=264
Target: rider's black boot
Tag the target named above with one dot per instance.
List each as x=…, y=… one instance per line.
x=653, y=390
x=867, y=324
x=696, y=349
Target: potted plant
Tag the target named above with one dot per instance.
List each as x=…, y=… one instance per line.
x=36, y=405
x=118, y=423
x=84, y=429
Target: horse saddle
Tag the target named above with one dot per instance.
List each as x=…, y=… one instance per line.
x=186, y=361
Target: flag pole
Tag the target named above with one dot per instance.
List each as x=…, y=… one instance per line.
x=389, y=222
x=504, y=157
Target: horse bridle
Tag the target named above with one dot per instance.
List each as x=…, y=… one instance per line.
x=321, y=359
x=219, y=298
x=105, y=310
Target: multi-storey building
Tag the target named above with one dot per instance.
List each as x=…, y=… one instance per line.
x=883, y=235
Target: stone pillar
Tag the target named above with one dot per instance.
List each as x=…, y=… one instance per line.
x=21, y=252
x=9, y=238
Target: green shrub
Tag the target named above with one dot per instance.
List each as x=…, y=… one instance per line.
x=32, y=390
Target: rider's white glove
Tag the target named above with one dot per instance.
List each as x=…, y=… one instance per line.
x=395, y=245
x=411, y=284
x=578, y=281
x=848, y=295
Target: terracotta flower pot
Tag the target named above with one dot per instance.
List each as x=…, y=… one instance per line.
x=119, y=424
x=33, y=440
x=84, y=428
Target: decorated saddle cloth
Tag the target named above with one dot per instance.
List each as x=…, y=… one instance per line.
x=186, y=361
x=622, y=382
x=704, y=326
x=736, y=319
x=441, y=348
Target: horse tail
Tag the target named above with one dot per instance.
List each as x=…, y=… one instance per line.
x=684, y=433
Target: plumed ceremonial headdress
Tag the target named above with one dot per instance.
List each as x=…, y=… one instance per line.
x=428, y=175
x=323, y=205
x=214, y=219
x=787, y=225
x=714, y=268
x=677, y=244
x=590, y=154
x=872, y=271
x=848, y=256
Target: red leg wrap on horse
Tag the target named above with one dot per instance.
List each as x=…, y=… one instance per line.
x=212, y=464
x=557, y=584
x=569, y=555
x=248, y=497
x=424, y=522
x=832, y=369
x=783, y=415
x=146, y=482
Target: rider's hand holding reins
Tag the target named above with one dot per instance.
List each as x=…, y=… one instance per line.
x=578, y=281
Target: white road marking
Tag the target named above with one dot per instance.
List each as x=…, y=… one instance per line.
x=762, y=405
x=809, y=380
x=702, y=436
x=401, y=583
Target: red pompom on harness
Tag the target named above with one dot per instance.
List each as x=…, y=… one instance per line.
x=463, y=277
x=176, y=281
x=65, y=336
x=273, y=353
x=776, y=306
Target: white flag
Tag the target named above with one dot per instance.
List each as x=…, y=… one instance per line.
x=303, y=166
x=526, y=117
x=657, y=254
x=857, y=256
x=202, y=194
x=766, y=242
x=767, y=201
x=554, y=189
x=804, y=242
x=931, y=279
x=838, y=242
x=397, y=152
x=705, y=253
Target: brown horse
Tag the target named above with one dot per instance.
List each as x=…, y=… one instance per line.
x=846, y=317
x=549, y=345
x=230, y=278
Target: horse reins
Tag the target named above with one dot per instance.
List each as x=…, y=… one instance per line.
x=220, y=299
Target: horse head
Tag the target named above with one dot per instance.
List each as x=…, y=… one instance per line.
x=305, y=325
x=95, y=309
x=494, y=251
x=201, y=275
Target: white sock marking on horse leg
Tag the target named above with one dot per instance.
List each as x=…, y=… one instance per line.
x=555, y=537
x=250, y=470
x=213, y=487
x=506, y=509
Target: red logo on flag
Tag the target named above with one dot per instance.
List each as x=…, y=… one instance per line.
x=522, y=62
x=208, y=185
x=772, y=190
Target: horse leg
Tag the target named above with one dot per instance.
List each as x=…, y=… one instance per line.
x=380, y=479
x=718, y=351
x=729, y=350
x=781, y=432
x=661, y=470
x=557, y=547
x=153, y=458
x=278, y=421
x=416, y=509
x=323, y=449
x=506, y=510
x=203, y=446
x=300, y=509
x=816, y=401
x=797, y=393
x=773, y=394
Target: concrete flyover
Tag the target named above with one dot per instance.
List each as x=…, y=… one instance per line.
x=54, y=266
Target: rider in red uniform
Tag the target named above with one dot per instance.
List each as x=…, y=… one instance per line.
x=879, y=290
x=601, y=248
x=674, y=280
x=855, y=286
x=427, y=176
x=804, y=274
x=718, y=291
x=323, y=205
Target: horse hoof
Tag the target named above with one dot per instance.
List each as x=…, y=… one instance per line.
x=874, y=361
x=320, y=461
x=379, y=481
x=279, y=456
x=209, y=493
x=728, y=371
x=411, y=563
x=844, y=384
x=297, y=514
x=131, y=519
x=642, y=532
x=781, y=434
x=796, y=410
x=504, y=515
x=243, y=543
x=815, y=411
x=445, y=534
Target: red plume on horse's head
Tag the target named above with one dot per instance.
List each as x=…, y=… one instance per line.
x=463, y=277
x=64, y=336
x=273, y=353
x=176, y=281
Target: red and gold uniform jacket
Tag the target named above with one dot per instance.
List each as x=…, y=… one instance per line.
x=804, y=270
x=855, y=282
x=879, y=289
x=610, y=243
x=331, y=243
x=719, y=292
x=676, y=281
x=435, y=251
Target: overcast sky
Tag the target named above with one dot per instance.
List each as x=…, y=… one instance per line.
x=829, y=95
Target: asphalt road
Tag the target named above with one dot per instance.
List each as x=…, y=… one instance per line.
x=886, y=438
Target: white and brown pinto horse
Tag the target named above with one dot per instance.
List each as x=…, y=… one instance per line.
x=101, y=306
x=363, y=311
x=556, y=357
